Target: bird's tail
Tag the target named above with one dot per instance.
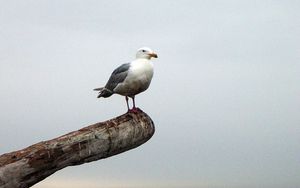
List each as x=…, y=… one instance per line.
x=103, y=92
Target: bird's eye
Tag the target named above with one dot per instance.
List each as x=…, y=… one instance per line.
x=143, y=50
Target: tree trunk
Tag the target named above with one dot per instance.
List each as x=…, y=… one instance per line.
x=29, y=166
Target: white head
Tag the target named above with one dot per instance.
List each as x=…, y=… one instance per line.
x=145, y=53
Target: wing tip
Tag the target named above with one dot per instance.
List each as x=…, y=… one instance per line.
x=98, y=89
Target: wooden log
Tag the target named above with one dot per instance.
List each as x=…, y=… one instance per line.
x=29, y=166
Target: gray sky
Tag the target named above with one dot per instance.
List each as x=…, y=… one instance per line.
x=224, y=97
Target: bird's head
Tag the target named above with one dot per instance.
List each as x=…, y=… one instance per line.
x=145, y=53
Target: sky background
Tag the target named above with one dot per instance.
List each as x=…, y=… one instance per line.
x=224, y=97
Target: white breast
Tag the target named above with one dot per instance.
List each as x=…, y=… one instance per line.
x=138, y=78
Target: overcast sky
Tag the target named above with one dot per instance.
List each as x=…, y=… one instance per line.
x=224, y=97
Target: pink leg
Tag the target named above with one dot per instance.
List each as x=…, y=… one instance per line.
x=134, y=109
x=133, y=101
x=126, y=98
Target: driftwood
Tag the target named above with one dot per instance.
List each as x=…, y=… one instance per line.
x=28, y=166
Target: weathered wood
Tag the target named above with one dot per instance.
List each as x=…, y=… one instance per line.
x=28, y=166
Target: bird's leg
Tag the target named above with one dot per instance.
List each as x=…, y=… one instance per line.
x=133, y=101
x=126, y=98
x=134, y=109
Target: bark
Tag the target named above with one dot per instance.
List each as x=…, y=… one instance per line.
x=29, y=166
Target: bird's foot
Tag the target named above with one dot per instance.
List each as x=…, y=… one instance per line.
x=134, y=110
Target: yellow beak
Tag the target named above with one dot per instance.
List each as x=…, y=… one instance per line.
x=153, y=55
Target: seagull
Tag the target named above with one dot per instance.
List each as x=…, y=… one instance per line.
x=130, y=79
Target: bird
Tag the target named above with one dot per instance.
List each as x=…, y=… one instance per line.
x=130, y=79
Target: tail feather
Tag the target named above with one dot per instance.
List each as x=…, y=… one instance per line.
x=103, y=92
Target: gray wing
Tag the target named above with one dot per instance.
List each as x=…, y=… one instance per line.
x=117, y=76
